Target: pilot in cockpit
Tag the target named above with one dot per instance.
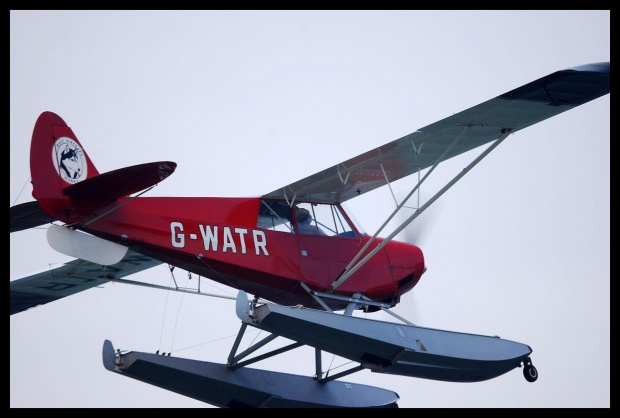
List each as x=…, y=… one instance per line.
x=304, y=224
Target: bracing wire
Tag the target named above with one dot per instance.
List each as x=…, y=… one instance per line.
x=342, y=365
x=252, y=343
x=330, y=365
x=215, y=287
x=20, y=192
x=212, y=341
x=177, y=319
x=217, y=272
x=164, y=317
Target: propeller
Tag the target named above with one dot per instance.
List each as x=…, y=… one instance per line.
x=417, y=231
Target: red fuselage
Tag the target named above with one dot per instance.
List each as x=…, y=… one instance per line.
x=219, y=238
x=262, y=246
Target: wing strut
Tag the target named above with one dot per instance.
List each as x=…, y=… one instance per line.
x=387, y=181
x=398, y=207
x=316, y=297
x=156, y=286
x=348, y=271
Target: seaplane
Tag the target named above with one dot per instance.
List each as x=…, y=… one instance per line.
x=301, y=263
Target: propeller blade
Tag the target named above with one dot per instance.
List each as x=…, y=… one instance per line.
x=417, y=231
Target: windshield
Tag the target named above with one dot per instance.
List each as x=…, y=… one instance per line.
x=354, y=220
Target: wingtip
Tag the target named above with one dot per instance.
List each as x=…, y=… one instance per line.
x=596, y=67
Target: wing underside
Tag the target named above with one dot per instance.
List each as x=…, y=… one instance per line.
x=476, y=126
x=71, y=278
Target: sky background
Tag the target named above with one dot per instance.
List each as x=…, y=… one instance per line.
x=248, y=101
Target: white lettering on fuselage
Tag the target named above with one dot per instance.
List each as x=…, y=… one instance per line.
x=260, y=243
x=211, y=238
x=241, y=232
x=178, y=239
x=228, y=241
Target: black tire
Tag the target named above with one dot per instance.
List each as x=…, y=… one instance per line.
x=530, y=373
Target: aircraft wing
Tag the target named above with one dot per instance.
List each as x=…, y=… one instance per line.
x=478, y=125
x=71, y=278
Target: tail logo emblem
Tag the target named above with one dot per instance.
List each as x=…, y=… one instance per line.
x=69, y=160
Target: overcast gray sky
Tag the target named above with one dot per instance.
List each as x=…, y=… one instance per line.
x=248, y=101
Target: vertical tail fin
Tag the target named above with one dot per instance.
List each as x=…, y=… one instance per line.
x=57, y=161
x=66, y=183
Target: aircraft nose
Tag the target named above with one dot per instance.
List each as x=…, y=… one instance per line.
x=407, y=265
x=418, y=261
x=403, y=255
x=422, y=262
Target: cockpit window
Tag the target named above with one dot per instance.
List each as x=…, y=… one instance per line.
x=310, y=219
x=319, y=219
x=274, y=215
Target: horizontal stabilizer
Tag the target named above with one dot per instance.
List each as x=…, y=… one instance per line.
x=221, y=386
x=122, y=182
x=28, y=215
